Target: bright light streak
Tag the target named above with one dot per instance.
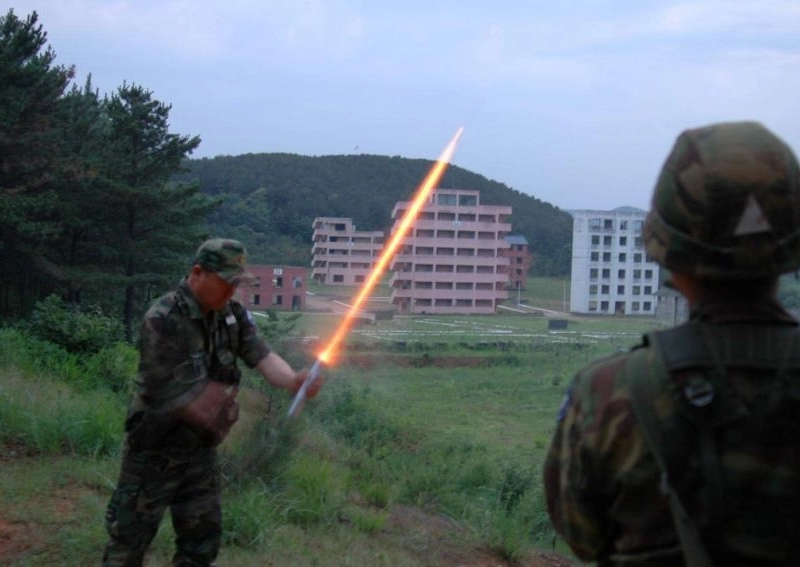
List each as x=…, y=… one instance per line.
x=423, y=192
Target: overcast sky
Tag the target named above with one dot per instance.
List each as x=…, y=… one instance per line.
x=575, y=102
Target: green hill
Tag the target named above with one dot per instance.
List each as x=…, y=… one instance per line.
x=270, y=201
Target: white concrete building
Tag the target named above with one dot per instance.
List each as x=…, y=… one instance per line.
x=611, y=273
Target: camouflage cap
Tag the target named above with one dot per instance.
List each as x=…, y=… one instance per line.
x=727, y=204
x=227, y=258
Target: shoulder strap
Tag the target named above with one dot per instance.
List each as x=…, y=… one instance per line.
x=643, y=387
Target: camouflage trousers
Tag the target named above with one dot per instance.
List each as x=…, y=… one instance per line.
x=150, y=482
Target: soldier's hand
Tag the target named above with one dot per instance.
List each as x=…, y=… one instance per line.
x=313, y=388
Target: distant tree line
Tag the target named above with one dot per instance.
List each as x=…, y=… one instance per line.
x=270, y=201
x=101, y=205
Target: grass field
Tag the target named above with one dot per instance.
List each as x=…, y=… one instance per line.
x=393, y=464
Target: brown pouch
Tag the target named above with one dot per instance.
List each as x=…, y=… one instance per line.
x=213, y=412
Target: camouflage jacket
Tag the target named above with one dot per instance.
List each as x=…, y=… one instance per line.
x=602, y=481
x=180, y=350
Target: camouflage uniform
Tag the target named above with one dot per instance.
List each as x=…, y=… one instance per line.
x=167, y=463
x=728, y=379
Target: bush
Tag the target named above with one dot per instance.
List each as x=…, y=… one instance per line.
x=80, y=330
x=113, y=367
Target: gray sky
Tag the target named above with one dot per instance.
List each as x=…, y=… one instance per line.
x=574, y=102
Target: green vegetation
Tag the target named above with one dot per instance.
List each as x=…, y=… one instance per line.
x=271, y=200
x=430, y=458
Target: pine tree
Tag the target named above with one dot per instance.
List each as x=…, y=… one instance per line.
x=30, y=89
x=154, y=224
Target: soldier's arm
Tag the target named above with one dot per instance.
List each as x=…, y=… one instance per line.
x=280, y=375
x=576, y=498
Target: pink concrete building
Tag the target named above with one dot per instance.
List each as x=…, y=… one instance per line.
x=519, y=261
x=343, y=255
x=454, y=258
x=280, y=288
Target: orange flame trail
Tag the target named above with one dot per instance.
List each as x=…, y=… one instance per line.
x=424, y=190
x=327, y=355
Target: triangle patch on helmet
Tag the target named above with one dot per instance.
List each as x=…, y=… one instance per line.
x=753, y=220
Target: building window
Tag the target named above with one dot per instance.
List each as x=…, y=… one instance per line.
x=595, y=240
x=606, y=256
x=637, y=242
x=606, y=241
x=622, y=257
x=647, y=306
x=620, y=274
x=623, y=225
x=468, y=200
x=648, y=274
x=620, y=290
x=592, y=306
x=297, y=282
x=608, y=224
x=595, y=256
x=594, y=224
x=623, y=240
x=359, y=279
x=277, y=300
x=648, y=290
x=604, y=306
x=606, y=273
x=604, y=290
x=446, y=199
x=277, y=282
x=255, y=299
x=635, y=306
x=593, y=274
x=637, y=275
x=593, y=289
x=637, y=226
x=637, y=290
x=338, y=278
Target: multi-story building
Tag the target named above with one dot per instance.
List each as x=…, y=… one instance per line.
x=453, y=260
x=343, y=255
x=280, y=288
x=611, y=272
x=519, y=261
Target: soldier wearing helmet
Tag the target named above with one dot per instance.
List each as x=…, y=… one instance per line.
x=685, y=450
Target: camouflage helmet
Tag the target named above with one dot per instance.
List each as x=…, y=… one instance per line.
x=227, y=258
x=726, y=205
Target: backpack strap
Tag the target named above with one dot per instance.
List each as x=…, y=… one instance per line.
x=644, y=387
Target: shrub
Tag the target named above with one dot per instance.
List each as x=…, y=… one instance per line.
x=81, y=330
x=113, y=367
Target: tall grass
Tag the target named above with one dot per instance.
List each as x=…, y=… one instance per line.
x=465, y=443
